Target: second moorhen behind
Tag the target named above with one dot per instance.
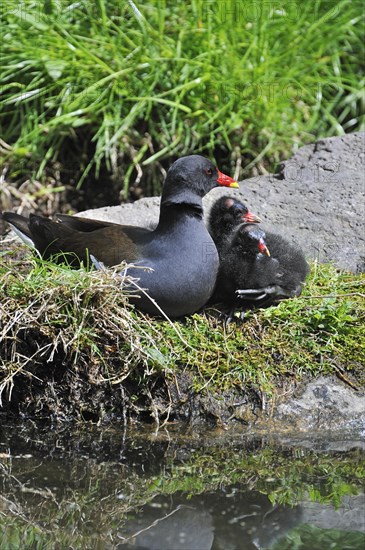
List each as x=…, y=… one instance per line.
x=256, y=266
x=224, y=215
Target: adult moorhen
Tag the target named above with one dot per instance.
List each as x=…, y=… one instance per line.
x=179, y=257
x=248, y=271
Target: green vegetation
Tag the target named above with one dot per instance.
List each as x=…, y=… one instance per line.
x=309, y=536
x=76, y=330
x=113, y=85
x=309, y=335
x=285, y=480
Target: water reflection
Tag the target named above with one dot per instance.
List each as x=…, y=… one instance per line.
x=232, y=519
x=109, y=488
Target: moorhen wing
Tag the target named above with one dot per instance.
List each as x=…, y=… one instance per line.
x=256, y=266
x=180, y=258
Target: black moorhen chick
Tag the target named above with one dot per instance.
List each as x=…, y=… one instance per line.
x=221, y=221
x=180, y=258
x=248, y=271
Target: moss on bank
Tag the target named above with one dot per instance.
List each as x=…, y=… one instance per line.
x=72, y=346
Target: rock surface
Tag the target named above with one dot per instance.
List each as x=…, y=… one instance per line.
x=349, y=516
x=324, y=404
x=316, y=199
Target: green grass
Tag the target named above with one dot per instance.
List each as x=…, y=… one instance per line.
x=318, y=333
x=111, y=85
x=77, y=330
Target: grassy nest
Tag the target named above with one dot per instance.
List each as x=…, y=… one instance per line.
x=72, y=346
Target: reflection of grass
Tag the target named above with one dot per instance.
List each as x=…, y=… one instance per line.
x=148, y=80
x=97, y=494
x=286, y=478
x=70, y=342
x=310, y=536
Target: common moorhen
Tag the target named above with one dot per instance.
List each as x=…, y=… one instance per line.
x=256, y=266
x=222, y=222
x=179, y=257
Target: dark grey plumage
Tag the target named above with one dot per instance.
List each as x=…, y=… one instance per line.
x=224, y=216
x=247, y=274
x=180, y=255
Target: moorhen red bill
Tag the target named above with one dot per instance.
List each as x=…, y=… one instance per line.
x=257, y=266
x=179, y=257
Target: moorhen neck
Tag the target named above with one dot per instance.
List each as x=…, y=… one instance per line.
x=256, y=266
x=179, y=256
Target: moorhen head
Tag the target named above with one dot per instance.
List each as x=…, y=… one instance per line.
x=248, y=271
x=240, y=254
x=224, y=216
x=179, y=257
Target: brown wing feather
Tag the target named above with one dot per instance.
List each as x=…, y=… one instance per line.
x=110, y=245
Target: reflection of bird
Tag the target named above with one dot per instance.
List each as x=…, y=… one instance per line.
x=180, y=254
x=255, y=266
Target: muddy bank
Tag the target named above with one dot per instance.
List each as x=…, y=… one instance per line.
x=72, y=349
x=325, y=404
x=51, y=386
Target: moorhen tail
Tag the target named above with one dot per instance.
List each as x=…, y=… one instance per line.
x=179, y=256
x=256, y=266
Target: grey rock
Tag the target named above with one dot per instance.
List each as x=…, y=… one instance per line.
x=343, y=440
x=143, y=212
x=323, y=404
x=317, y=199
x=349, y=516
x=185, y=528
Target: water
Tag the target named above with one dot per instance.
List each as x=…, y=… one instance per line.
x=89, y=487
